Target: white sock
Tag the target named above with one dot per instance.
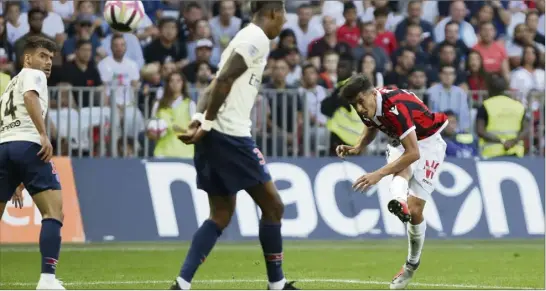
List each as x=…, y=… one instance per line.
x=416, y=240
x=277, y=285
x=183, y=284
x=399, y=188
x=47, y=277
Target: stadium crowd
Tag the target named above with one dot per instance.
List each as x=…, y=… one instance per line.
x=451, y=53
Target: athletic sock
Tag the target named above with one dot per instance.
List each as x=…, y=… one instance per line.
x=271, y=241
x=50, y=245
x=416, y=240
x=203, y=241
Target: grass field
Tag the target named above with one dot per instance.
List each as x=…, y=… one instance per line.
x=455, y=264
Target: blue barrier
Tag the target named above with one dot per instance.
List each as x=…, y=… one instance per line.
x=134, y=200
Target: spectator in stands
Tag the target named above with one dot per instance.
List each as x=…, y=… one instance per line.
x=349, y=32
x=6, y=50
x=446, y=96
x=15, y=27
x=417, y=83
x=495, y=59
x=530, y=76
x=166, y=47
x=203, y=78
x=493, y=12
x=369, y=46
x=226, y=25
x=404, y=65
x=329, y=42
x=83, y=26
x=82, y=72
x=187, y=22
x=176, y=108
x=368, y=67
x=65, y=9
x=391, y=17
x=121, y=75
x=134, y=49
x=88, y=8
x=384, y=38
x=452, y=38
x=203, y=53
x=285, y=95
x=459, y=145
x=475, y=76
x=328, y=76
x=53, y=25
x=413, y=42
x=202, y=31
x=522, y=38
x=35, y=22
x=457, y=13
x=314, y=94
x=532, y=22
x=305, y=33
x=414, y=17
x=501, y=122
x=447, y=56
x=287, y=40
x=293, y=60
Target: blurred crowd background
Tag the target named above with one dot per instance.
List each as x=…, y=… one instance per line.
x=130, y=94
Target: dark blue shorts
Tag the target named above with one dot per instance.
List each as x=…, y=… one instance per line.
x=227, y=164
x=19, y=163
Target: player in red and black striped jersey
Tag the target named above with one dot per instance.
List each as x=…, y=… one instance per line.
x=414, y=154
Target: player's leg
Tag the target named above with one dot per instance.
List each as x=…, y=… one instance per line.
x=399, y=186
x=7, y=179
x=221, y=211
x=42, y=183
x=267, y=198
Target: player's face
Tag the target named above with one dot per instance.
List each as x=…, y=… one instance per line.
x=41, y=59
x=277, y=22
x=365, y=104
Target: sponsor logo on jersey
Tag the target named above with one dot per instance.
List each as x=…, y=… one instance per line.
x=10, y=125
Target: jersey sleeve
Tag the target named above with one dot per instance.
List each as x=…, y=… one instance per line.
x=401, y=118
x=249, y=51
x=34, y=80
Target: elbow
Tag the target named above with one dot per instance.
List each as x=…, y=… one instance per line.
x=414, y=156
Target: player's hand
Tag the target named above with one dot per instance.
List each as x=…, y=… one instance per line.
x=346, y=150
x=510, y=144
x=17, y=198
x=47, y=149
x=194, y=133
x=366, y=181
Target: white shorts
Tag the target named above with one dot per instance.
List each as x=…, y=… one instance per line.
x=432, y=151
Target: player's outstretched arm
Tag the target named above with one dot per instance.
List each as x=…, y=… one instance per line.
x=365, y=139
x=234, y=67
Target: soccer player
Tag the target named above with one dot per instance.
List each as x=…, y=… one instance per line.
x=25, y=151
x=415, y=152
x=226, y=158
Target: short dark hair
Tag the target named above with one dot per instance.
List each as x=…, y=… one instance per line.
x=486, y=23
x=192, y=5
x=260, y=7
x=36, y=42
x=442, y=67
x=496, y=84
x=116, y=36
x=452, y=22
x=414, y=25
x=83, y=42
x=383, y=11
x=307, y=67
x=444, y=45
x=34, y=11
x=418, y=68
x=165, y=20
x=348, y=6
x=450, y=113
x=355, y=85
x=305, y=6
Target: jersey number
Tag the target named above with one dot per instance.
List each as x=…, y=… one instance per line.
x=9, y=110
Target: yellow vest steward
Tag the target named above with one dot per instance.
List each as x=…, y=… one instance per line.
x=346, y=125
x=504, y=121
x=169, y=146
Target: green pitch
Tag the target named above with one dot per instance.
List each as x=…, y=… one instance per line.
x=370, y=264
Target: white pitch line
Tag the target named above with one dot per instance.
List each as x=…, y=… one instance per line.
x=167, y=248
x=341, y=281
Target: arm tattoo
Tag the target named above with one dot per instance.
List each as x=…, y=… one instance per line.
x=233, y=69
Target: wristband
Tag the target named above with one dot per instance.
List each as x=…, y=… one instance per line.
x=206, y=125
x=198, y=116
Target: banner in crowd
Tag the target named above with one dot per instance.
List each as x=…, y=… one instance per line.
x=23, y=225
x=134, y=200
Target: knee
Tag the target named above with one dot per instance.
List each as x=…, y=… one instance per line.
x=54, y=211
x=273, y=211
x=221, y=217
x=416, y=207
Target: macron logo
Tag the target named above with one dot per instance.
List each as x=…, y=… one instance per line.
x=394, y=110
